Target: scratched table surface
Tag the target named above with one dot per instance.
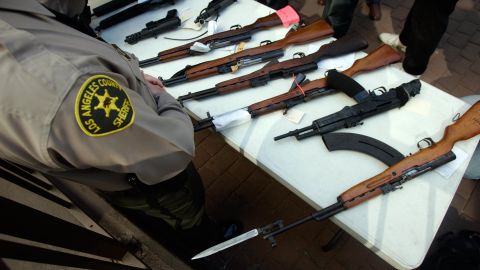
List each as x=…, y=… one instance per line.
x=399, y=226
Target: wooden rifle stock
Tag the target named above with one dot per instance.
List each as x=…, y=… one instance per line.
x=184, y=50
x=382, y=56
x=465, y=128
x=314, y=31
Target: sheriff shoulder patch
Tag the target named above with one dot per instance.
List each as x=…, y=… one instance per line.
x=102, y=107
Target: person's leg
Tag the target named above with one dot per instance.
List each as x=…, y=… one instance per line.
x=339, y=13
x=425, y=25
x=375, y=11
x=173, y=207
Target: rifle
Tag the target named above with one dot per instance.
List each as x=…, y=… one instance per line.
x=391, y=179
x=212, y=9
x=382, y=56
x=351, y=116
x=235, y=35
x=154, y=28
x=284, y=69
x=131, y=12
x=110, y=6
x=318, y=30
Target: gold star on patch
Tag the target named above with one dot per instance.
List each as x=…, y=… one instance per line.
x=107, y=103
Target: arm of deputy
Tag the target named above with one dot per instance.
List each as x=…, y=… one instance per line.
x=103, y=124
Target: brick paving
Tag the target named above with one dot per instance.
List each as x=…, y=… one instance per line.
x=236, y=188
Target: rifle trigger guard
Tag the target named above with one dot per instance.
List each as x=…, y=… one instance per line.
x=298, y=55
x=265, y=42
x=456, y=117
x=428, y=141
x=381, y=90
x=236, y=26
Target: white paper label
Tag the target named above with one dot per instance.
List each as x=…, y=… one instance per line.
x=294, y=115
x=186, y=14
x=339, y=63
x=446, y=170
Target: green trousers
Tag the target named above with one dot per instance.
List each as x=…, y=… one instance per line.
x=179, y=201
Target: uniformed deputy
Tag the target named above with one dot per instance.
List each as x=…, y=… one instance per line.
x=77, y=108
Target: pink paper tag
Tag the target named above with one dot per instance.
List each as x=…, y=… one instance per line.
x=288, y=15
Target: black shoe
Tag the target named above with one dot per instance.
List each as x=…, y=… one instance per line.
x=231, y=229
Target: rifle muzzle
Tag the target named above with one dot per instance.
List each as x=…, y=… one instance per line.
x=149, y=62
x=296, y=133
x=174, y=80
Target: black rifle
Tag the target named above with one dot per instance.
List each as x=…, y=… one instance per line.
x=275, y=69
x=154, y=28
x=212, y=9
x=351, y=116
x=111, y=6
x=131, y=12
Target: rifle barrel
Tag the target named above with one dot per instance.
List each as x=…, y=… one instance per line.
x=318, y=216
x=295, y=133
x=203, y=124
x=175, y=80
x=199, y=95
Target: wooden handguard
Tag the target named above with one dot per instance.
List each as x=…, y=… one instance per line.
x=382, y=56
x=318, y=30
x=464, y=128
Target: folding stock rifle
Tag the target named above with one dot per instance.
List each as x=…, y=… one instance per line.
x=350, y=116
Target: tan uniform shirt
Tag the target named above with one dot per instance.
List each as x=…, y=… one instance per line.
x=72, y=106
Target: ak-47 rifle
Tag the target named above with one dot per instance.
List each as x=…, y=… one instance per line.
x=351, y=116
x=382, y=56
x=284, y=69
x=131, y=12
x=391, y=179
x=315, y=31
x=212, y=9
x=235, y=35
x=155, y=28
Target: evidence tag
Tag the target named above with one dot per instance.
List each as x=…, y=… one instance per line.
x=288, y=16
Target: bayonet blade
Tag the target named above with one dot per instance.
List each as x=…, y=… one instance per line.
x=229, y=243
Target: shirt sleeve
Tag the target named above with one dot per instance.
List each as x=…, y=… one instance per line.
x=105, y=125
